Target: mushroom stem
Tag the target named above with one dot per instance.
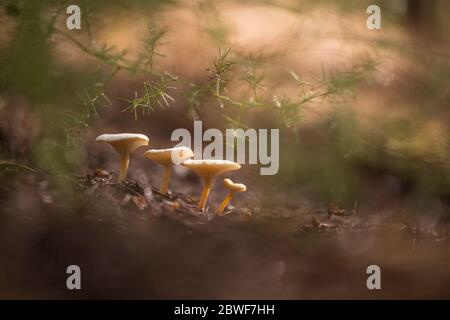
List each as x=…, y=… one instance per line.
x=166, y=179
x=205, y=193
x=123, y=168
x=224, y=203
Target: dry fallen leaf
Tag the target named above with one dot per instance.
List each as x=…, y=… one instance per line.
x=126, y=199
x=101, y=173
x=140, y=202
x=172, y=204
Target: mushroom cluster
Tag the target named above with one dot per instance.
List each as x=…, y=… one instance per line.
x=126, y=143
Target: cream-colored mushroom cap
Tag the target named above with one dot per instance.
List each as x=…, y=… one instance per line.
x=124, y=143
x=209, y=168
x=236, y=187
x=170, y=155
x=233, y=187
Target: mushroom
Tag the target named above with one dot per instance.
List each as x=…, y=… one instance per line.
x=168, y=157
x=125, y=144
x=233, y=187
x=208, y=169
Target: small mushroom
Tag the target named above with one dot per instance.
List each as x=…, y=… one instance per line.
x=208, y=169
x=125, y=144
x=168, y=157
x=233, y=187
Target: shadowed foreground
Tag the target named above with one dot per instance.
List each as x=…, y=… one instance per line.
x=162, y=251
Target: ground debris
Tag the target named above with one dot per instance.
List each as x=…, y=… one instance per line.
x=130, y=195
x=133, y=187
x=333, y=210
x=101, y=173
x=140, y=202
x=237, y=214
x=317, y=226
x=340, y=224
x=100, y=177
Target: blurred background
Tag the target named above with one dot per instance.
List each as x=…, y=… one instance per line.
x=363, y=116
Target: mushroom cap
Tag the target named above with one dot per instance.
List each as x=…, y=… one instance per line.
x=170, y=155
x=237, y=187
x=209, y=168
x=124, y=143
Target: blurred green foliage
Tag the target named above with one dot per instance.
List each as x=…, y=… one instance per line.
x=65, y=97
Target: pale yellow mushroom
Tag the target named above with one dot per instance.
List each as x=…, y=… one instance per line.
x=125, y=144
x=233, y=187
x=208, y=169
x=167, y=158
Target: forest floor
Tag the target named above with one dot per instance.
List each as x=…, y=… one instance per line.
x=132, y=242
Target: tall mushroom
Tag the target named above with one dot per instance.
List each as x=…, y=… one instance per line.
x=208, y=169
x=168, y=157
x=233, y=187
x=125, y=144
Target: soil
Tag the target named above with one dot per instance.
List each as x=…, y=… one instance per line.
x=132, y=242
